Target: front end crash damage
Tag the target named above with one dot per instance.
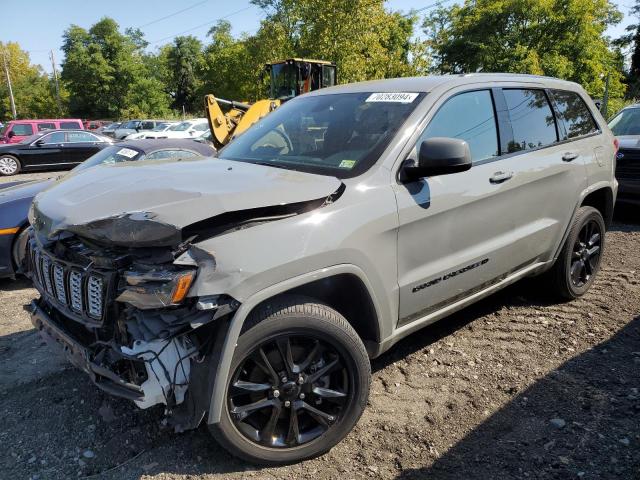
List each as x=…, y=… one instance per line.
x=115, y=295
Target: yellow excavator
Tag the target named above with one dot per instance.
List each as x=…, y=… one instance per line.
x=288, y=79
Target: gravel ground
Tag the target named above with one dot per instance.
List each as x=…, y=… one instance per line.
x=512, y=387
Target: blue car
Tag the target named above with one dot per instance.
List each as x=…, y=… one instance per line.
x=16, y=197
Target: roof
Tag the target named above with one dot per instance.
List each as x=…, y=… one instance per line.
x=428, y=84
x=148, y=145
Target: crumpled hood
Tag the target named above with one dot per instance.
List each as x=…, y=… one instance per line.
x=629, y=141
x=147, y=203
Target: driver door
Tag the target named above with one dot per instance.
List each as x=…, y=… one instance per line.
x=46, y=152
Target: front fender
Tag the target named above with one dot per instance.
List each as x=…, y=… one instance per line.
x=218, y=393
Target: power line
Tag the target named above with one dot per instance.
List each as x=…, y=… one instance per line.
x=201, y=25
x=427, y=7
x=172, y=14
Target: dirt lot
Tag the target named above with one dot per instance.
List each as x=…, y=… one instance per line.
x=513, y=387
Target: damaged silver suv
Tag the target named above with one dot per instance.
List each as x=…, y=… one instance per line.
x=249, y=291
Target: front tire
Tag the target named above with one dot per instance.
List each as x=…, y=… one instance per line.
x=9, y=165
x=299, y=382
x=580, y=258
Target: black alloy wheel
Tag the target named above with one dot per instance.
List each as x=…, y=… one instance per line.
x=586, y=253
x=289, y=391
x=298, y=383
x=579, y=261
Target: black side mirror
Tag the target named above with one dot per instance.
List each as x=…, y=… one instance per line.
x=39, y=143
x=11, y=134
x=440, y=156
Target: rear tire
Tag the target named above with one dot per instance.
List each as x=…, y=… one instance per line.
x=9, y=165
x=310, y=373
x=579, y=261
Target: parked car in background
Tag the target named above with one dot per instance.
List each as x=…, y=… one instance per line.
x=96, y=124
x=160, y=127
x=135, y=126
x=186, y=129
x=626, y=127
x=17, y=130
x=109, y=130
x=50, y=150
x=15, y=199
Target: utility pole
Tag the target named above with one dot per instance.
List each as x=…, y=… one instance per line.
x=605, y=98
x=6, y=72
x=55, y=78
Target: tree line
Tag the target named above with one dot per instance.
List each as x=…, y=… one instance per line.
x=112, y=73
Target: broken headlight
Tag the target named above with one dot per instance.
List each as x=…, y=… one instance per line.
x=149, y=288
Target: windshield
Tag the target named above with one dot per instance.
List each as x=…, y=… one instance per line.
x=131, y=125
x=31, y=138
x=181, y=127
x=340, y=135
x=627, y=122
x=109, y=156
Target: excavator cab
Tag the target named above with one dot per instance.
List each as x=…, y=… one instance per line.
x=296, y=76
x=288, y=79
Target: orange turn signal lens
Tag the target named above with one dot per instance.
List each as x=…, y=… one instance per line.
x=182, y=287
x=9, y=231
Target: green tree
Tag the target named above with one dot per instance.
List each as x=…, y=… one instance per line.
x=560, y=38
x=33, y=90
x=103, y=68
x=184, y=63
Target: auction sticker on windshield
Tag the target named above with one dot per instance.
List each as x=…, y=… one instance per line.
x=397, y=97
x=127, y=152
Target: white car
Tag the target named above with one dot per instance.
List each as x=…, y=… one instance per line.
x=161, y=127
x=186, y=129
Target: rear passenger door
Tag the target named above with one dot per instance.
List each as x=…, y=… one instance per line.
x=80, y=146
x=545, y=175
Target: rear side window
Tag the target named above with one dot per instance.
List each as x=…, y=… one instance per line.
x=22, y=129
x=46, y=126
x=470, y=117
x=78, y=137
x=575, y=113
x=70, y=125
x=201, y=127
x=531, y=119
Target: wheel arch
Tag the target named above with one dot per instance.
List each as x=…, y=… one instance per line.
x=602, y=199
x=320, y=285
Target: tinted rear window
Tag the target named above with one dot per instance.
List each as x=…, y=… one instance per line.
x=46, y=126
x=70, y=125
x=575, y=113
x=22, y=129
x=531, y=119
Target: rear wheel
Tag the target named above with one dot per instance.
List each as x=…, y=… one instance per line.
x=299, y=383
x=9, y=165
x=579, y=262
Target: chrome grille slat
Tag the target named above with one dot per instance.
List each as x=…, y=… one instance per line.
x=94, y=296
x=59, y=283
x=75, y=290
x=46, y=273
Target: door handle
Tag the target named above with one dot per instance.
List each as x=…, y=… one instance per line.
x=500, y=177
x=569, y=156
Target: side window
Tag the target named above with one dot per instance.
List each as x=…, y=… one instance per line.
x=531, y=119
x=22, y=129
x=468, y=116
x=55, y=137
x=78, y=137
x=575, y=113
x=70, y=125
x=147, y=125
x=162, y=154
x=201, y=127
x=46, y=126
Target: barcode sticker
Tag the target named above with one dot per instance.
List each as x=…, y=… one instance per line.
x=396, y=97
x=127, y=152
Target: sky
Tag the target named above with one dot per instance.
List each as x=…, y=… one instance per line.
x=38, y=28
